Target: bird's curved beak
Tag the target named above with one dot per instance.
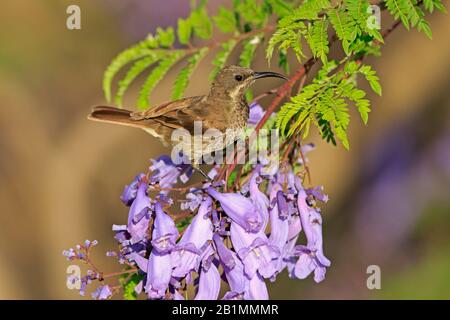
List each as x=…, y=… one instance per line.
x=267, y=74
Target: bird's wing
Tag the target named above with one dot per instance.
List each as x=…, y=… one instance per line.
x=167, y=109
x=177, y=114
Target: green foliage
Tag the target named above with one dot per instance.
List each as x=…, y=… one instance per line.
x=248, y=50
x=222, y=56
x=137, y=68
x=430, y=5
x=155, y=76
x=184, y=31
x=226, y=20
x=181, y=225
x=182, y=79
x=411, y=15
x=317, y=38
x=325, y=102
x=302, y=28
x=201, y=24
x=129, y=284
x=280, y=7
x=344, y=27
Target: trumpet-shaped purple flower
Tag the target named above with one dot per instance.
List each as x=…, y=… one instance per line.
x=231, y=295
x=279, y=226
x=256, y=289
x=255, y=251
x=165, y=233
x=239, y=208
x=310, y=257
x=259, y=199
x=130, y=191
x=102, y=293
x=209, y=284
x=138, y=216
x=193, y=200
x=186, y=255
x=256, y=112
x=166, y=173
x=159, y=272
x=232, y=266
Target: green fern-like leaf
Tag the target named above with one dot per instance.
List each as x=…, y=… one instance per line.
x=357, y=10
x=400, y=10
x=166, y=37
x=222, y=56
x=343, y=26
x=372, y=78
x=248, y=51
x=308, y=10
x=226, y=20
x=317, y=38
x=297, y=103
x=155, y=76
x=251, y=11
x=182, y=80
x=137, y=68
x=184, y=31
x=131, y=54
x=280, y=7
x=201, y=23
x=287, y=38
x=430, y=5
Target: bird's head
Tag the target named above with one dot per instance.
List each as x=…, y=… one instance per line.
x=233, y=81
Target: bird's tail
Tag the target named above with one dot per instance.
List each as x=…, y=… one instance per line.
x=113, y=115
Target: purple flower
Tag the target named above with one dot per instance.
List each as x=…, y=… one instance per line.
x=258, y=198
x=255, y=115
x=159, y=272
x=255, y=251
x=239, y=209
x=209, y=284
x=186, y=255
x=317, y=193
x=165, y=233
x=138, y=216
x=176, y=295
x=232, y=266
x=69, y=254
x=130, y=191
x=166, y=173
x=231, y=295
x=192, y=202
x=279, y=226
x=305, y=149
x=311, y=257
x=257, y=289
x=102, y=293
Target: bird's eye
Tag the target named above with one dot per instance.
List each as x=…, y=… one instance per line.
x=238, y=77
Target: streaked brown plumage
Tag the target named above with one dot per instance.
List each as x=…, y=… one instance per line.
x=223, y=108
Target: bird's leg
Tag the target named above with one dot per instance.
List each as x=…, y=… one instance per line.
x=198, y=169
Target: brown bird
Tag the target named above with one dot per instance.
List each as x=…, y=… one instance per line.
x=224, y=107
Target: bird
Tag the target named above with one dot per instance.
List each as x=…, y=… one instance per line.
x=223, y=108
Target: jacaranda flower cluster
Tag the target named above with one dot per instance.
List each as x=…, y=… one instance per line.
x=244, y=238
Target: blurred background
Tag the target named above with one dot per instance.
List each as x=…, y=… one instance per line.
x=61, y=175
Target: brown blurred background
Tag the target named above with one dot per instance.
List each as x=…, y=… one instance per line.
x=61, y=176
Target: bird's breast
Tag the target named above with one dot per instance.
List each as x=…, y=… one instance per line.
x=239, y=115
